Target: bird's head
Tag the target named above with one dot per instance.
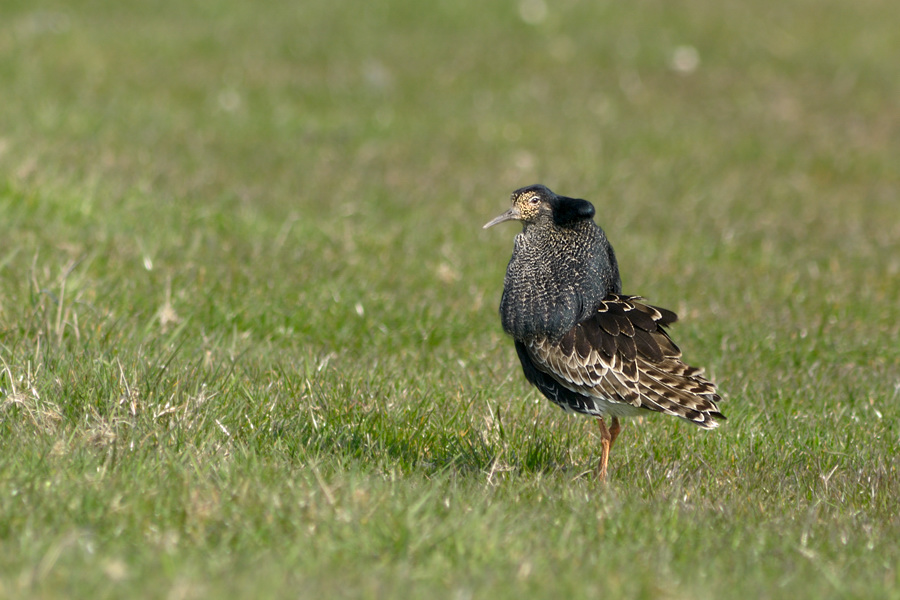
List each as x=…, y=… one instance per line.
x=536, y=204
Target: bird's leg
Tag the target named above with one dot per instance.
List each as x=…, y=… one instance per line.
x=606, y=438
x=614, y=429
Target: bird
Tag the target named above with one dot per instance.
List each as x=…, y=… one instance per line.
x=583, y=343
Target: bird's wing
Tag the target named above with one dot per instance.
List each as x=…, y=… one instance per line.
x=622, y=354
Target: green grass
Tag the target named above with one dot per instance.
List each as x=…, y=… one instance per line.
x=248, y=333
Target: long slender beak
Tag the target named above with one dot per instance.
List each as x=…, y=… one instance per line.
x=510, y=215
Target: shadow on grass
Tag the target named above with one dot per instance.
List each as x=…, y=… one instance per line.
x=426, y=436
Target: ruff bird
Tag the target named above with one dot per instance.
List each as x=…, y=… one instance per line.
x=584, y=344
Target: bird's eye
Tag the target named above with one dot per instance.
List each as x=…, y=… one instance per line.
x=534, y=200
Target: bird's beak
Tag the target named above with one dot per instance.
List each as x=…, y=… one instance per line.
x=510, y=215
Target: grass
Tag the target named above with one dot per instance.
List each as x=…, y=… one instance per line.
x=248, y=331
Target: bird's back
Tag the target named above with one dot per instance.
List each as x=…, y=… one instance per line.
x=618, y=361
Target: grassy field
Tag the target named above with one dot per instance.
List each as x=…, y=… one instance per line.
x=248, y=334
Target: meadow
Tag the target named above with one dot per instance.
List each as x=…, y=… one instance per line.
x=249, y=343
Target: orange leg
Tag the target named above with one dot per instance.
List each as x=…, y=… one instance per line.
x=614, y=429
x=608, y=436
